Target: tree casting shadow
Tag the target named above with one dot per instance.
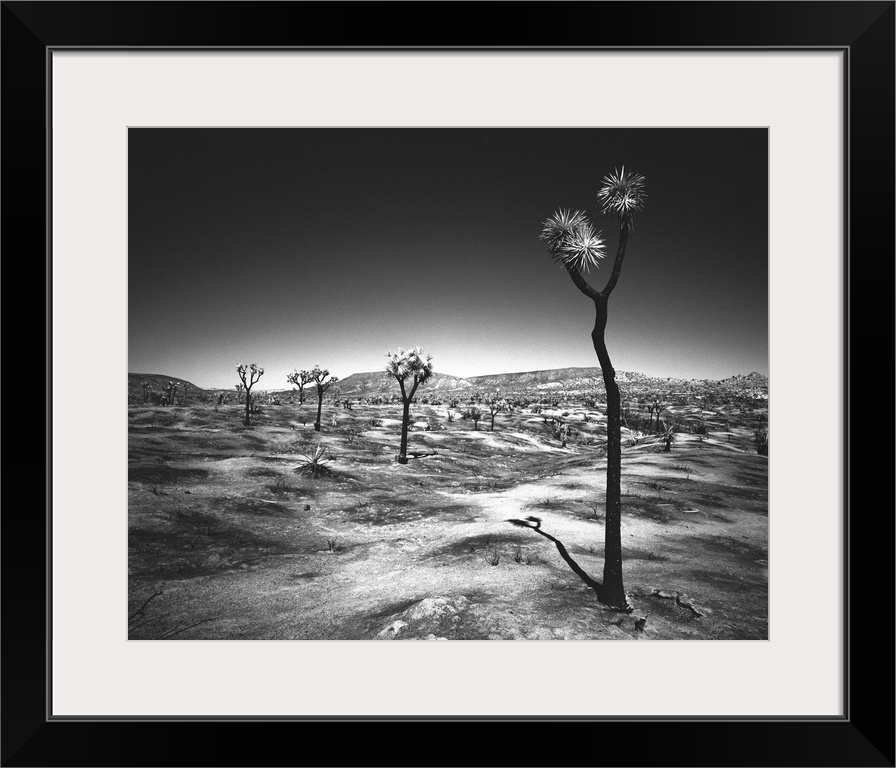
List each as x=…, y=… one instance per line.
x=534, y=523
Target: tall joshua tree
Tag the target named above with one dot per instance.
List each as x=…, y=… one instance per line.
x=249, y=374
x=411, y=368
x=300, y=379
x=319, y=377
x=573, y=243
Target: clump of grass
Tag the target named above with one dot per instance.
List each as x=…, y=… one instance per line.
x=352, y=434
x=517, y=554
x=492, y=556
x=333, y=544
x=280, y=485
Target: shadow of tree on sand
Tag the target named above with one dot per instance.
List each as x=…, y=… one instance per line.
x=534, y=523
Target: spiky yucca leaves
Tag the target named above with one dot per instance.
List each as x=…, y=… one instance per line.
x=317, y=375
x=622, y=195
x=572, y=241
x=409, y=364
x=315, y=463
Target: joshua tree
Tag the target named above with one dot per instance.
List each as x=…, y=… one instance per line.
x=240, y=388
x=411, y=368
x=473, y=414
x=144, y=385
x=573, y=243
x=170, y=390
x=495, y=405
x=319, y=377
x=300, y=379
x=655, y=409
x=249, y=374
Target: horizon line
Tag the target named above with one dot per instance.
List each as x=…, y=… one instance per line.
x=480, y=376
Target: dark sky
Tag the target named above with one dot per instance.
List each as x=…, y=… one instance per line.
x=295, y=247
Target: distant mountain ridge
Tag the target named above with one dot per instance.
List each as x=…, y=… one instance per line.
x=379, y=383
x=374, y=383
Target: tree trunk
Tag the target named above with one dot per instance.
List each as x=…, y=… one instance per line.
x=320, y=405
x=403, y=449
x=247, y=421
x=612, y=590
x=492, y=428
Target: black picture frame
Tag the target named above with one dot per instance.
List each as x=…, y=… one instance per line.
x=864, y=31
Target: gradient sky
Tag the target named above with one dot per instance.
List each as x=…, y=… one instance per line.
x=296, y=247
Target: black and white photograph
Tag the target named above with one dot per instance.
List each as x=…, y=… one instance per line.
x=448, y=384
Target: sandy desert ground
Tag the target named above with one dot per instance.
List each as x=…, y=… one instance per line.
x=227, y=540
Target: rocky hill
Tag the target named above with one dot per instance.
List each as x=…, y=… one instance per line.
x=156, y=382
x=379, y=383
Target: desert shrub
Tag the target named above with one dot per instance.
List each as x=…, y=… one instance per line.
x=315, y=464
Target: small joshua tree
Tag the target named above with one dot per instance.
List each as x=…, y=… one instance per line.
x=472, y=414
x=668, y=436
x=495, y=405
x=240, y=388
x=572, y=242
x=655, y=409
x=170, y=390
x=410, y=368
x=319, y=377
x=249, y=374
x=300, y=379
x=144, y=385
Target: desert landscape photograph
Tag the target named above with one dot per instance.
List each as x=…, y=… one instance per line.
x=453, y=384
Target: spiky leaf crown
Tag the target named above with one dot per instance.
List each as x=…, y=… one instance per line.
x=572, y=240
x=622, y=195
x=409, y=363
